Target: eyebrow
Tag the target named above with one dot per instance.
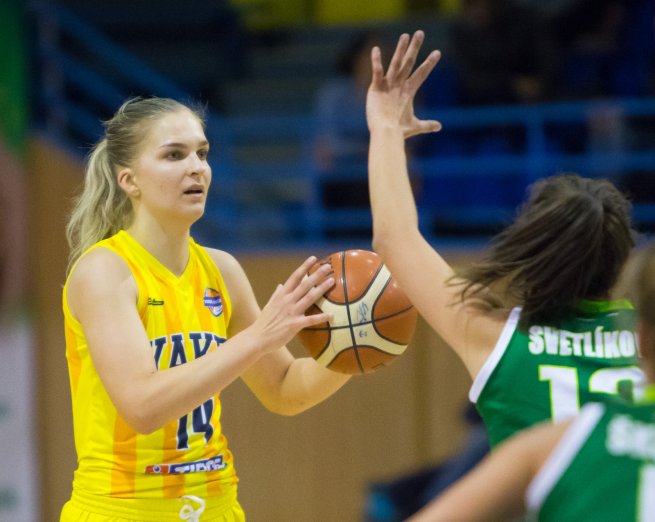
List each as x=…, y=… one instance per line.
x=172, y=145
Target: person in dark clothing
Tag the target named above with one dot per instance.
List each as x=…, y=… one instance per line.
x=502, y=52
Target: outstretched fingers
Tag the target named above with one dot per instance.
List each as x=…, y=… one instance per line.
x=426, y=127
x=423, y=71
x=401, y=67
x=411, y=53
x=398, y=56
x=377, y=68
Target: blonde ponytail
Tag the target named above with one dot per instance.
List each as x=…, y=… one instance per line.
x=102, y=209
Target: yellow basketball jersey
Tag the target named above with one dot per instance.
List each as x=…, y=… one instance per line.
x=185, y=317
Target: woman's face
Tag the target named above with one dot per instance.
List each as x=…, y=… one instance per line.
x=171, y=176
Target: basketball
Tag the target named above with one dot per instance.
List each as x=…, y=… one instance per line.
x=372, y=322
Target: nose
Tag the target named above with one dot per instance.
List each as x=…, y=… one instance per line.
x=196, y=165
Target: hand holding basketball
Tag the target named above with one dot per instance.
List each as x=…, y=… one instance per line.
x=284, y=314
x=372, y=319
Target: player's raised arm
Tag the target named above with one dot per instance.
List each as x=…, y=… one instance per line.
x=495, y=489
x=422, y=273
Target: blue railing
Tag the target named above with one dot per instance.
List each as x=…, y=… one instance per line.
x=82, y=77
x=544, y=152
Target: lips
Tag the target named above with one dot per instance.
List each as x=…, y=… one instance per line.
x=194, y=190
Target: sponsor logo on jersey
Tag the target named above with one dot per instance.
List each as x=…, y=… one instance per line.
x=213, y=301
x=155, y=302
x=213, y=464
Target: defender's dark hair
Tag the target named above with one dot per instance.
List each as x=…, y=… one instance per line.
x=569, y=241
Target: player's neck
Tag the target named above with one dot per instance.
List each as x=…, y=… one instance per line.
x=169, y=246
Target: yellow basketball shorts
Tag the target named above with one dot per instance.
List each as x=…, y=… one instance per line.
x=83, y=507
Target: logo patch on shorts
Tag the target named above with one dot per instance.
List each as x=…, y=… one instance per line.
x=213, y=301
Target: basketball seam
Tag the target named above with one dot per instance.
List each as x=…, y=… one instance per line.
x=361, y=369
x=363, y=294
x=328, y=328
x=347, y=303
x=379, y=296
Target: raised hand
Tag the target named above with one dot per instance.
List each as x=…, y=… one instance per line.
x=390, y=98
x=284, y=314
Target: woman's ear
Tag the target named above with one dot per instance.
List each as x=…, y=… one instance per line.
x=127, y=183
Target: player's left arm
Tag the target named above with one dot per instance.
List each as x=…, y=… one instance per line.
x=495, y=489
x=283, y=383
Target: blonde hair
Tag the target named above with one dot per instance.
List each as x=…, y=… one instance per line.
x=102, y=208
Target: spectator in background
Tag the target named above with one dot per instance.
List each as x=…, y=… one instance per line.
x=577, y=22
x=606, y=45
x=502, y=53
x=589, y=35
x=341, y=139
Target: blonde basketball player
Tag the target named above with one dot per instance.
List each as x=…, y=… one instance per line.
x=157, y=325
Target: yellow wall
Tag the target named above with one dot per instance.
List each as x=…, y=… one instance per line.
x=357, y=11
x=315, y=466
x=262, y=14
x=259, y=14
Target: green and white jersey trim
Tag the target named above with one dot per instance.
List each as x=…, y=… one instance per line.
x=496, y=355
x=562, y=456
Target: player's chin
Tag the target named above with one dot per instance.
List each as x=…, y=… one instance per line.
x=193, y=212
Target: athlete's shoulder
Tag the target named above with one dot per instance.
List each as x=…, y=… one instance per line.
x=99, y=260
x=226, y=262
x=97, y=275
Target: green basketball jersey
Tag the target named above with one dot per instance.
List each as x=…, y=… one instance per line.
x=603, y=469
x=549, y=371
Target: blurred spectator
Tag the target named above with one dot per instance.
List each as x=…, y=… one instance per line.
x=581, y=22
x=634, y=74
x=589, y=37
x=502, y=52
x=341, y=140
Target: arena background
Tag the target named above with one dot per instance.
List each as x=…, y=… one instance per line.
x=321, y=465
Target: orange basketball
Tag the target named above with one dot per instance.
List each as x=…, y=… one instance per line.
x=373, y=321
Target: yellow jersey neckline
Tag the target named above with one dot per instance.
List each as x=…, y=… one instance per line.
x=162, y=269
